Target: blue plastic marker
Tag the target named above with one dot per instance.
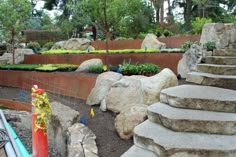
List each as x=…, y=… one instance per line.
x=82, y=120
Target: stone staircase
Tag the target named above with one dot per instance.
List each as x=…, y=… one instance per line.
x=219, y=70
x=193, y=120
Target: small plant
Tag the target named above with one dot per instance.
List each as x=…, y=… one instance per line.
x=158, y=33
x=95, y=69
x=209, y=46
x=141, y=35
x=198, y=24
x=187, y=45
x=48, y=45
x=167, y=33
x=34, y=46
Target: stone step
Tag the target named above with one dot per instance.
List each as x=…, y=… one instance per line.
x=167, y=143
x=136, y=151
x=223, y=60
x=200, y=98
x=224, y=81
x=224, y=52
x=217, y=69
x=186, y=120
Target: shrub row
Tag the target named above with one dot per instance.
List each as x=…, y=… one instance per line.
x=39, y=67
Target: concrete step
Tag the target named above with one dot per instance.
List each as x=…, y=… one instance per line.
x=186, y=120
x=224, y=81
x=222, y=60
x=224, y=52
x=167, y=143
x=217, y=69
x=135, y=151
x=200, y=98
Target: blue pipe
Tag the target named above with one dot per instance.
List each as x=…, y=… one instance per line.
x=21, y=147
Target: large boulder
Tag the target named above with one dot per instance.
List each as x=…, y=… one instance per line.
x=224, y=35
x=152, y=86
x=81, y=142
x=124, y=92
x=58, y=45
x=84, y=66
x=19, y=56
x=190, y=59
x=102, y=87
x=62, y=118
x=77, y=44
x=129, y=118
x=151, y=42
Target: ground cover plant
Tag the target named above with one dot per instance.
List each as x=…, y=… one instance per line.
x=40, y=67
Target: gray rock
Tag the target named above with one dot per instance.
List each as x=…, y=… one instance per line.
x=129, y=118
x=135, y=151
x=190, y=59
x=225, y=52
x=19, y=56
x=62, y=118
x=103, y=85
x=217, y=69
x=167, y=143
x=77, y=44
x=223, y=34
x=124, y=92
x=151, y=42
x=81, y=142
x=188, y=120
x=222, y=60
x=152, y=86
x=58, y=45
x=84, y=66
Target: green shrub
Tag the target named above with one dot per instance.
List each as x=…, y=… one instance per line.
x=198, y=24
x=34, y=44
x=95, y=69
x=187, y=45
x=48, y=45
x=209, y=46
x=142, y=35
x=158, y=33
x=167, y=33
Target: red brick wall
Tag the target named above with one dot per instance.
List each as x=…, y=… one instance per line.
x=164, y=60
x=171, y=42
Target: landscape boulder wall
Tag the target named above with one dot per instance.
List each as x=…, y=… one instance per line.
x=103, y=85
x=151, y=42
x=129, y=118
x=81, y=142
x=84, y=66
x=62, y=118
x=19, y=56
x=58, y=45
x=224, y=35
x=190, y=59
x=73, y=44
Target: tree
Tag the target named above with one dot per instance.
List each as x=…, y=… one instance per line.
x=14, y=14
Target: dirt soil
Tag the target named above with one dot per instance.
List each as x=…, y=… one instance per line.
x=102, y=124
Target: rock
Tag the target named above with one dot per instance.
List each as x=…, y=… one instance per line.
x=223, y=34
x=18, y=118
x=58, y=45
x=84, y=67
x=152, y=86
x=190, y=59
x=19, y=56
x=102, y=87
x=151, y=42
x=77, y=44
x=129, y=118
x=81, y=142
x=62, y=118
x=103, y=105
x=124, y=92
x=90, y=48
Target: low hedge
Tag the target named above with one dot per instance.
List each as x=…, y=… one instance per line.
x=126, y=51
x=40, y=67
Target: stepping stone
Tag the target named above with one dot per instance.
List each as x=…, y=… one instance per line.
x=217, y=69
x=224, y=81
x=186, y=120
x=224, y=52
x=135, y=151
x=222, y=60
x=167, y=143
x=200, y=97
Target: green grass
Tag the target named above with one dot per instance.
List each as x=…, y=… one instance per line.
x=126, y=51
x=40, y=67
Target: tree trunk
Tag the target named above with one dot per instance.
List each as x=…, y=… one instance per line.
x=106, y=30
x=188, y=14
x=162, y=12
x=12, y=44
